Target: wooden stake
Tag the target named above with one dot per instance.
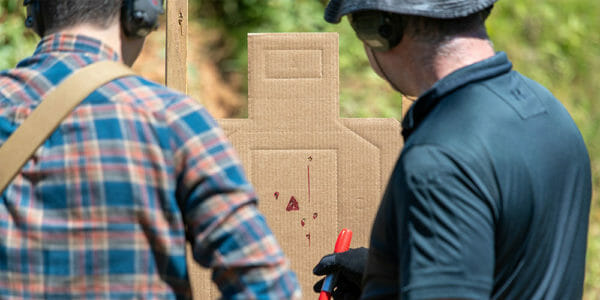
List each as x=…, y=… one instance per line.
x=176, y=78
x=177, y=31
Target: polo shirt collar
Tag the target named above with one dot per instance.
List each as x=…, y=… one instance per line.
x=488, y=68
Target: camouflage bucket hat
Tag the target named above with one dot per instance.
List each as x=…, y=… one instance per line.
x=441, y=9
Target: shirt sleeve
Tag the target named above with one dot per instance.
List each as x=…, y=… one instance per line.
x=437, y=227
x=227, y=232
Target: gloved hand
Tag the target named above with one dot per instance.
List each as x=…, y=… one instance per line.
x=351, y=265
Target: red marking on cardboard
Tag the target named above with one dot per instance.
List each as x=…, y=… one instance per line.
x=276, y=194
x=292, y=204
x=308, y=169
x=315, y=215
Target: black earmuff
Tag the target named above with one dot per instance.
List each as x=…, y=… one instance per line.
x=380, y=30
x=140, y=17
x=34, y=16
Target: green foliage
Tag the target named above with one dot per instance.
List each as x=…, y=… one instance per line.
x=362, y=93
x=16, y=41
x=556, y=44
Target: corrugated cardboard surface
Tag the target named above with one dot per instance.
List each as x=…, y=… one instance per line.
x=314, y=172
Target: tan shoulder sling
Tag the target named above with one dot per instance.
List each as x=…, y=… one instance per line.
x=57, y=104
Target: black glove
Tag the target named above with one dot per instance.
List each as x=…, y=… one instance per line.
x=350, y=265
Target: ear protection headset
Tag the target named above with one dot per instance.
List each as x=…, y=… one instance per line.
x=381, y=31
x=138, y=17
x=32, y=21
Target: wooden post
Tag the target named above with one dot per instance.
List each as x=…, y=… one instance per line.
x=177, y=31
x=176, y=78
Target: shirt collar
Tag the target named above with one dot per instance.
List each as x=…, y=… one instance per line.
x=488, y=68
x=60, y=42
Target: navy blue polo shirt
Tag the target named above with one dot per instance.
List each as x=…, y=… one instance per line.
x=490, y=197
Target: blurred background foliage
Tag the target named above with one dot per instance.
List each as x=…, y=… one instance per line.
x=555, y=42
x=238, y=17
x=16, y=41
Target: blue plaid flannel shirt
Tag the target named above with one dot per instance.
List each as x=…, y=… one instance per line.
x=105, y=206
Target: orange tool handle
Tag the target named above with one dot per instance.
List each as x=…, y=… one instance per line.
x=341, y=244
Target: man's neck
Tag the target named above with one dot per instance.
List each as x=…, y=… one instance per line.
x=430, y=64
x=108, y=36
x=459, y=53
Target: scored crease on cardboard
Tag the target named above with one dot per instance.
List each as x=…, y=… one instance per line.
x=314, y=173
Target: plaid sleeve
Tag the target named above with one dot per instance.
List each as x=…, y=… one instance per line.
x=227, y=232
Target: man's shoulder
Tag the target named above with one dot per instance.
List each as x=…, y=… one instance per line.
x=142, y=93
x=140, y=88
x=481, y=110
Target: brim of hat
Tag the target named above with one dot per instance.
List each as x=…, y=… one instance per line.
x=441, y=9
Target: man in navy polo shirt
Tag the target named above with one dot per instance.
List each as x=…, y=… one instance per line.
x=490, y=196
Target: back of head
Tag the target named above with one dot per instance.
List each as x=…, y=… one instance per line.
x=50, y=16
x=137, y=17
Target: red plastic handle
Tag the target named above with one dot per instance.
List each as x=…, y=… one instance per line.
x=325, y=295
x=343, y=241
x=341, y=244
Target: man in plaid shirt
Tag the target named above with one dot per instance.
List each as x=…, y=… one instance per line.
x=105, y=206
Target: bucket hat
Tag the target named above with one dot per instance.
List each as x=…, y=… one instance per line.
x=441, y=9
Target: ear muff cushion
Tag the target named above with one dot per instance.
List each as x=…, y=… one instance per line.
x=379, y=30
x=140, y=17
x=392, y=29
x=126, y=12
x=34, y=17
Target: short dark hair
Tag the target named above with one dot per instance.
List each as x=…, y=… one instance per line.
x=435, y=30
x=59, y=14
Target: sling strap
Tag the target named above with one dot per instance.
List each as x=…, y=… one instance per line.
x=57, y=104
